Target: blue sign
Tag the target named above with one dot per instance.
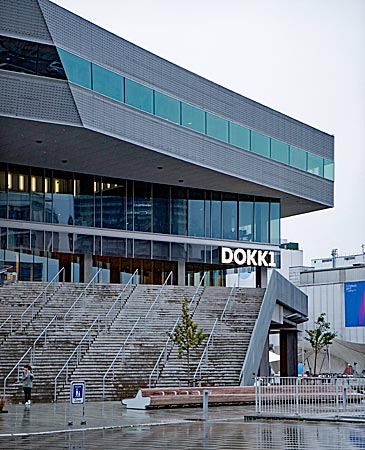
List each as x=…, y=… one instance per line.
x=77, y=392
x=355, y=304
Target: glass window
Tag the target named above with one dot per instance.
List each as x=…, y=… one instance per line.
x=275, y=223
x=3, y=194
x=142, y=206
x=196, y=253
x=315, y=164
x=260, y=143
x=161, y=250
x=193, y=118
x=216, y=214
x=18, y=239
x=83, y=243
x=142, y=248
x=49, y=64
x=18, y=55
x=167, y=107
x=217, y=127
x=139, y=96
x=84, y=200
x=229, y=216
x=298, y=158
x=208, y=216
x=161, y=209
x=108, y=83
x=279, y=151
x=261, y=221
x=63, y=198
x=113, y=246
x=329, y=170
x=196, y=213
x=178, y=211
x=18, y=195
x=37, y=195
x=245, y=224
x=239, y=136
x=78, y=70
x=113, y=203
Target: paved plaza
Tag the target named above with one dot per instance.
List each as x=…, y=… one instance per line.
x=110, y=426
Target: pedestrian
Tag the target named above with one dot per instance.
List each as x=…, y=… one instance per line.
x=27, y=379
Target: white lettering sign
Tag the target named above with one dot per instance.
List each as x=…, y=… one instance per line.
x=260, y=258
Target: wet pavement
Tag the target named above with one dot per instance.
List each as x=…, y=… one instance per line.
x=110, y=426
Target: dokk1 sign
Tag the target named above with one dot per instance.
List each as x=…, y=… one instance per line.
x=248, y=257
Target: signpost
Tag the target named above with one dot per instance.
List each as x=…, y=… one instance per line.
x=77, y=397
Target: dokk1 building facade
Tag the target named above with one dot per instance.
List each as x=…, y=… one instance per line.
x=114, y=158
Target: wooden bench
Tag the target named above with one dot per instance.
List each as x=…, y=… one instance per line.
x=189, y=396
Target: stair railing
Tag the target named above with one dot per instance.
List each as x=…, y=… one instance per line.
x=163, y=357
x=111, y=314
x=205, y=355
x=43, y=296
x=10, y=318
x=77, y=353
x=82, y=297
x=17, y=366
x=197, y=295
x=230, y=297
x=170, y=275
x=121, y=353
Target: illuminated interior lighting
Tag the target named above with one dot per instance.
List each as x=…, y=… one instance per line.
x=10, y=181
x=34, y=184
x=21, y=182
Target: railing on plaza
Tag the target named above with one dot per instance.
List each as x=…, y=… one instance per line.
x=119, y=302
x=197, y=295
x=330, y=397
x=42, y=297
x=16, y=367
x=170, y=275
x=228, y=302
x=7, y=330
x=120, y=354
x=82, y=296
x=75, y=357
x=205, y=354
x=163, y=357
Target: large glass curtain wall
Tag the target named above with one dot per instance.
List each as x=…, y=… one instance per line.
x=41, y=195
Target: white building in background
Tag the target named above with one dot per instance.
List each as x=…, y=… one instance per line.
x=336, y=286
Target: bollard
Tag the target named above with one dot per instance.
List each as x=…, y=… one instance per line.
x=205, y=403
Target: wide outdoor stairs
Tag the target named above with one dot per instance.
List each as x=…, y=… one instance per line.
x=226, y=356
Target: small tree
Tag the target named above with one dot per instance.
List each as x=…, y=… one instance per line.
x=186, y=335
x=320, y=336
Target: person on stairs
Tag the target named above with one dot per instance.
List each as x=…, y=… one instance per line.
x=27, y=379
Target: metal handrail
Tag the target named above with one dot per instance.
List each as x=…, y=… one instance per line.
x=45, y=337
x=11, y=323
x=76, y=351
x=12, y=370
x=42, y=295
x=82, y=295
x=5, y=269
x=158, y=295
x=197, y=291
x=164, y=354
x=119, y=298
x=231, y=294
x=205, y=352
x=121, y=351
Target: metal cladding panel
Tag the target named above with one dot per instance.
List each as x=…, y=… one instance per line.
x=37, y=98
x=116, y=119
x=92, y=42
x=23, y=18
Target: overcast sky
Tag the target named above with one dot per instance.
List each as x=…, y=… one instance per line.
x=304, y=58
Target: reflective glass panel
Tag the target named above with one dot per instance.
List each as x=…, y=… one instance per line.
x=315, y=164
x=329, y=170
x=192, y=117
x=178, y=211
x=167, y=107
x=142, y=206
x=84, y=200
x=18, y=55
x=77, y=69
x=217, y=127
x=216, y=214
x=239, y=136
x=63, y=198
x=161, y=250
x=208, y=216
x=139, y=96
x=229, y=216
x=161, y=209
x=3, y=194
x=260, y=144
x=298, y=158
x=49, y=64
x=279, y=151
x=142, y=248
x=18, y=195
x=113, y=246
x=113, y=203
x=18, y=239
x=261, y=221
x=275, y=223
x=245, y=224
x=196, y=213
x=108, y=83
x=37, y=195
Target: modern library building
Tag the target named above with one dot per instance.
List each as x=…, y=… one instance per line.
x=114, y=158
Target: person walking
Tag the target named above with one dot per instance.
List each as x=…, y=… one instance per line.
x=27, y=379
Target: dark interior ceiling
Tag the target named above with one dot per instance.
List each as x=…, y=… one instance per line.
x=41, y=144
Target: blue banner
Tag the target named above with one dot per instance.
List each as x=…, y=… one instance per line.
x=355, y=304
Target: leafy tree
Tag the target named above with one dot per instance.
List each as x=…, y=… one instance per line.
x=320, y=336
x=186, y=335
